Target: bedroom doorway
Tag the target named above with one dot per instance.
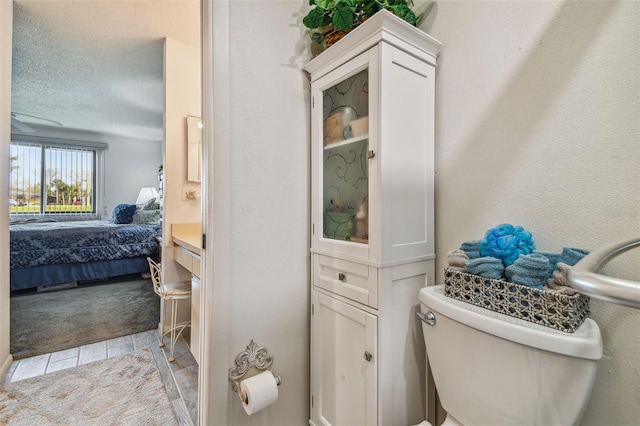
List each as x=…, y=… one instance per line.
x=52, y=20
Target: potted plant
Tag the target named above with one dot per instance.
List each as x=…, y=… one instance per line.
x=330, y=20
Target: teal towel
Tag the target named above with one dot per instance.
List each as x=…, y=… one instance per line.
x=529, y=269
x=488, y=267
x=572, y=255
x=471, y=248
x=553, y=261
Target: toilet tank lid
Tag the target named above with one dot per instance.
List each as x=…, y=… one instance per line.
x=585, y=342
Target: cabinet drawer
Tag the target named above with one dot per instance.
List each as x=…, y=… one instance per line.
x=196, y=265
x=183, y=257
x=349, y=279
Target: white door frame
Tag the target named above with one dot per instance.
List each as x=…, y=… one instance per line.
x=214, y=388
x=6, y=31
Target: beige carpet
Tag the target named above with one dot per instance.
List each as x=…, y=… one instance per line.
x=124, y=390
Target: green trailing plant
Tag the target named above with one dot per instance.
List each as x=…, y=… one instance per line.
x=343, y=15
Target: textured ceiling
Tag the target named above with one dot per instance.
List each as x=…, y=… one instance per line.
x=96, y=65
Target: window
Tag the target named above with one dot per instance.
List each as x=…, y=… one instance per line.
x=52, y=178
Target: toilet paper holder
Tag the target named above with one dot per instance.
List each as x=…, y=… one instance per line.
x=253, y=360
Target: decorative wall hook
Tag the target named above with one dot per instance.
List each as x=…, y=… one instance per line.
x=254, y=360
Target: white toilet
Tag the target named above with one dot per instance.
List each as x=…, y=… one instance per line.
x=492, y=369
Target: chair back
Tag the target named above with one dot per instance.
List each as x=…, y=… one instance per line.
x=154, y=267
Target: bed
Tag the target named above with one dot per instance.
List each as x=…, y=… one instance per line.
x=43, y=254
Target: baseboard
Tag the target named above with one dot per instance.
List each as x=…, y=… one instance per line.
x=54, y=287
x=5, y=367
x=94, y=280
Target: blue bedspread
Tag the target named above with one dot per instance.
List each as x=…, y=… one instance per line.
x=55, y=243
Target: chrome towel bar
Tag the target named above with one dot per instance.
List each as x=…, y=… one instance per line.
x=584, y=277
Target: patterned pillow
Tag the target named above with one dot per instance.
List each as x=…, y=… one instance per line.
x=123, y=213
x=151, y=205
x=147, y=216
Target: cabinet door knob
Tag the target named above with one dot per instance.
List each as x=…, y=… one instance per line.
x=341, y=276
x=368, y=356
x=370, y=154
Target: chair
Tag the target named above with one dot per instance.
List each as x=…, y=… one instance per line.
x=170, y=292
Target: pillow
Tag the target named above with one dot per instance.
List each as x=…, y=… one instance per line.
x=123, y=213
x=151, y=205
x=147, y=216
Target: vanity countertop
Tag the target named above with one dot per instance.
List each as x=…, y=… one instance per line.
x=187, y=235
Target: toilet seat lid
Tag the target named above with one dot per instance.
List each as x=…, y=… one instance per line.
x=585, y=342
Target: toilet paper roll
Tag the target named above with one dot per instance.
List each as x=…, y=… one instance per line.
x=261, y=391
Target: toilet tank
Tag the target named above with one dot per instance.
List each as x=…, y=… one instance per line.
x=492, y=369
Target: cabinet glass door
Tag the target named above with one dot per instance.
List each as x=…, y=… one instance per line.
x=345, y=172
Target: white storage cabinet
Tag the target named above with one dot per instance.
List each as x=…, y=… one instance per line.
x=372, y=246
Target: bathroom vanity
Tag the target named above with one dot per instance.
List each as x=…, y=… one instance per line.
x=372, y=237
x=187, y=239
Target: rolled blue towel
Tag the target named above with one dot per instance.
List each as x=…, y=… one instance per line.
x=471, y=248
x=529, y=269
x=572, y=255
x=488, y=267
x=553, y=261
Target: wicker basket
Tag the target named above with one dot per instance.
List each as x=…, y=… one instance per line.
x=544, y=307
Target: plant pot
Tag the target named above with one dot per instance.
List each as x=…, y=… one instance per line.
x=333, y=35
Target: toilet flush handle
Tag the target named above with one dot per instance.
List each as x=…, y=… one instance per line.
x=429, y=318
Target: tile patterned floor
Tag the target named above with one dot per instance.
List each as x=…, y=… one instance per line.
x=180, y=376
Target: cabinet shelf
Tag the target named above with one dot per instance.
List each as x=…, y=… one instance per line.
x=346, y=142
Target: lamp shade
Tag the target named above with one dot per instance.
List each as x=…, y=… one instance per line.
x=146, y=193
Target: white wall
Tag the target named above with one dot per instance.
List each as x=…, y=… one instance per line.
x=182, y=98
x=6, y=25
x=266, y=262
x=130, y=164
x=538, y=124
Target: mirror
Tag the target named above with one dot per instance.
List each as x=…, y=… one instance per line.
x=194, y=137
